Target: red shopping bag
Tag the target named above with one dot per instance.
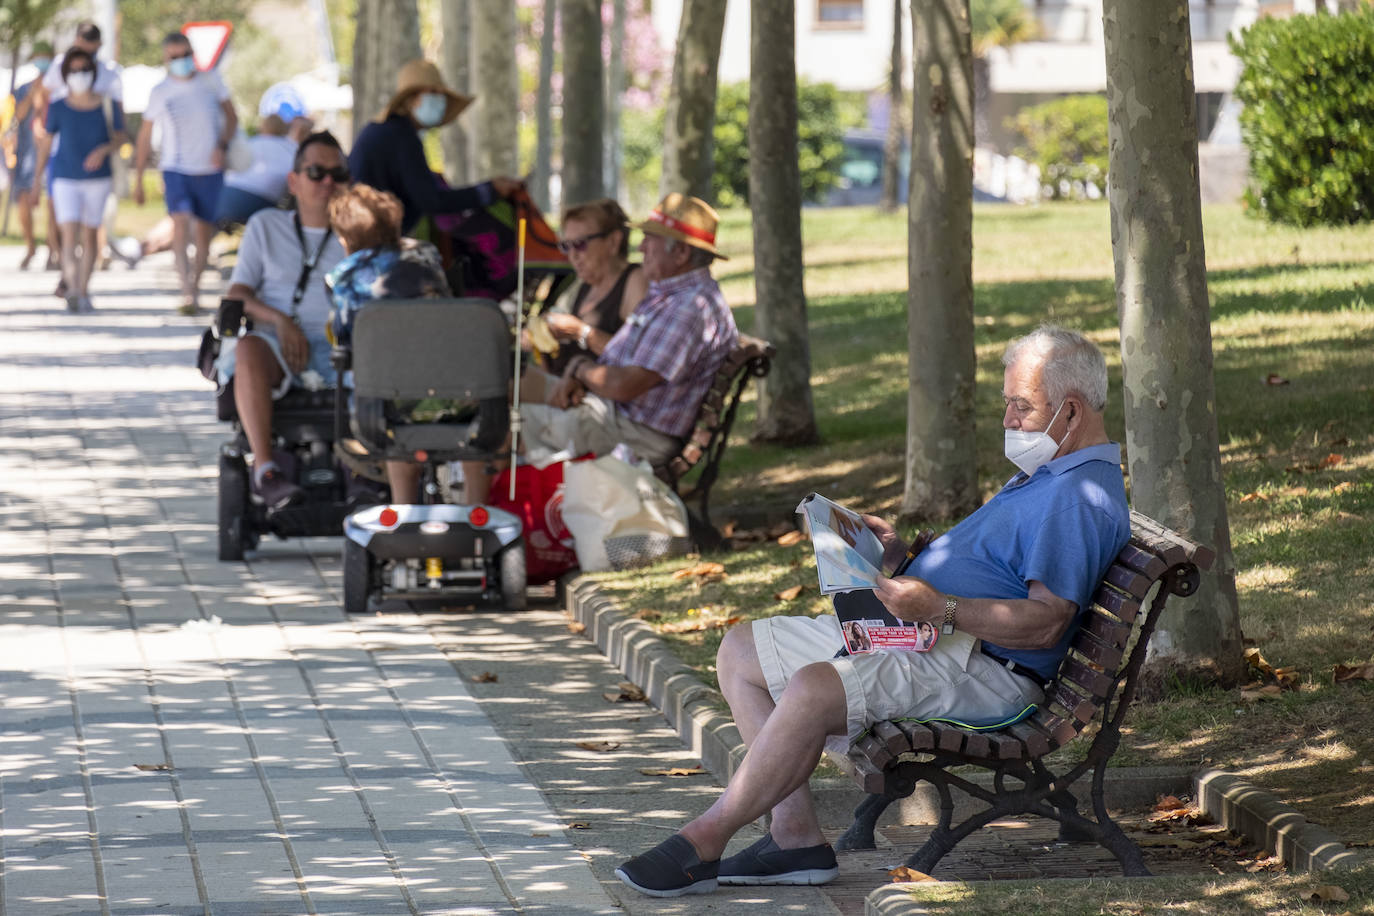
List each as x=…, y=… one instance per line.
x=539, y=503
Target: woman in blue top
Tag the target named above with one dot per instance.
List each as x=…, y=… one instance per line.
x=90, y=134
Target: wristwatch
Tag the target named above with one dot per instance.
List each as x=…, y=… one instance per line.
x=582, y=336
x=951, y=605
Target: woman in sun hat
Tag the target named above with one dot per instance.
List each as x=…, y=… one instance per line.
x=389, y=156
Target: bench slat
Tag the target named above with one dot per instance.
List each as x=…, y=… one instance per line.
x=892, y=737
x=870, y=778
x=1112, y=632
x=1062, y=730
x=1142, y=561
x=948, y=737
x=1128, y=580
x=1089, y=680
x=1004, y=747
x=1037, y=742
x=918, y=736
x=1104, y=656
x=1122, y=607
x=977, y=745
x=875, y=750
x=1079, y=707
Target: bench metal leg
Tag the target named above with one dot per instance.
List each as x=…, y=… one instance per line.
x=860, y=833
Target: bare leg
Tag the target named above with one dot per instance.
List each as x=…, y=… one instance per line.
x=71, y=270
x=780, y=760
x=404, y=479
x=204, y=233
x=90, y=253
x=54, y=232
x=25, y=202
x=477, y=481
x=181, y=231
x=256, y=374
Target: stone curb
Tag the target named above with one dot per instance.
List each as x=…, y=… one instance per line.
x=697, y=713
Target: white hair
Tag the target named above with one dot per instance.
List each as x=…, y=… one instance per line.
x=700, y=257
x=1073, y=364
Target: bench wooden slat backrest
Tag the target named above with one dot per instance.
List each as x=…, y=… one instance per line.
x=1091, y=673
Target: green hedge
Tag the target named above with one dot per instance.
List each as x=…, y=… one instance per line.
x=821, y=119
x=1067, y=140
x=1307, y=84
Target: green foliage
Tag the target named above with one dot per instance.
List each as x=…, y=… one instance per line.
x=142, y=25
x=820, y=147
x=1067, y=139
x=23, y=20
x=1307, y=84
x=641, y=155
x=999, y=24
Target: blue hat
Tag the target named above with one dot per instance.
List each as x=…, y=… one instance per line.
x=283, y=101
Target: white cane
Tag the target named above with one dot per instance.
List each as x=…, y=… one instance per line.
x=519, y=326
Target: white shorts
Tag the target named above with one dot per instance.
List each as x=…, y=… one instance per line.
x=596, y=426
x=80, y=200
x=893, y=684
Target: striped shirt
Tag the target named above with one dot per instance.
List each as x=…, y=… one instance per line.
x=683, y=330
x=188, y=115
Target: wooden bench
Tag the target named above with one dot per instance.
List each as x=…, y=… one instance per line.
x=705, y=444
x=1096, y=682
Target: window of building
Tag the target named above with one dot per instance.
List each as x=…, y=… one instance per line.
x=840, y=13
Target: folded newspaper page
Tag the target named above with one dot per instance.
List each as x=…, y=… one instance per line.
x=849, y=560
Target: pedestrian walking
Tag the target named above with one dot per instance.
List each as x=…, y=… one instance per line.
x=26, y=188
x=90, y=130
x=196, y=120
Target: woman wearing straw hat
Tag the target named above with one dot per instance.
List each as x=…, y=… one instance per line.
x=389, y=156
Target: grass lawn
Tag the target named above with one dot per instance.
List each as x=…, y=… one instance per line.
x=1298, y=459
x=133, y=220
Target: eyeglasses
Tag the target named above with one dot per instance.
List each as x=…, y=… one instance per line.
x=570, y=245
x=319, y=173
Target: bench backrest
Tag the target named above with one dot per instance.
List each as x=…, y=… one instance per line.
x=751, y=358
x=1101, y=667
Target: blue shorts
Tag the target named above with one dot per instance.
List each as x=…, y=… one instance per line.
x=194, y=194
x=24, y=169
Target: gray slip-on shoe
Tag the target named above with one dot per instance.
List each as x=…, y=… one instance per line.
x=765, y=864
x=670, y=869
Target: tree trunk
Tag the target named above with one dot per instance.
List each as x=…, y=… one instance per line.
x=388, y=35
x=583, y=95
x=456, y=19
x=615, y=91
x=892, y=143
x=543, y=112
x=1166, y=339
x=690, y=120
x=941, y=477
x=497, y=87
x=786, y=414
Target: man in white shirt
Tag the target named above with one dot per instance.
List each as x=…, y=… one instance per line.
x=197, y=121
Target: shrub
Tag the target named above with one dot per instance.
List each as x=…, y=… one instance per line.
x=820, y=141
x=1307, y=87
x=1067, y=140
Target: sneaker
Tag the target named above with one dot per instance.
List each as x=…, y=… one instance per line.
x=670, y=869
x=765, y=863
x=188, y=308
x=61, y=290
x=86, y=305
x=276, y=491
x=73, y=303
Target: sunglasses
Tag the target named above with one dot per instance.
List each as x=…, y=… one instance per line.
x=571, y=245
x=319, y=173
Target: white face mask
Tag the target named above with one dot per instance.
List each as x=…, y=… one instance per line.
x=80, y=83
x=429, y=111
x=1027, y=450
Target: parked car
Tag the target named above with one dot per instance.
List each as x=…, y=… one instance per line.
x=861, y=174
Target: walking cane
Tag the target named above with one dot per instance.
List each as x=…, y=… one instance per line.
x=519, y=324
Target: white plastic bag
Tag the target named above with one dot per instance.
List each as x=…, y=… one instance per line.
x=621, y=515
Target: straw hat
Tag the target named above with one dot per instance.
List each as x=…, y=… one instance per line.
x=419, y=76
x=687, y=219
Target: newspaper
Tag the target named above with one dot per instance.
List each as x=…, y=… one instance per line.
x=849, y=560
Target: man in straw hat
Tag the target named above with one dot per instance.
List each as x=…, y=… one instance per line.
x=645, y=387
x=389, y=156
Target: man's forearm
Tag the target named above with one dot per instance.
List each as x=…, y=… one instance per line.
x=615, y=383
x=1036, y=622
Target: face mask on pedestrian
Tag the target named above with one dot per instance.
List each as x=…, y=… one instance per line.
x=430, y=109
x=80, y=83
x=1027, y=450
x=181, y=67
x=42, y=64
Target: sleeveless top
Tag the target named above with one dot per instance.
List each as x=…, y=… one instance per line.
x=605, y=316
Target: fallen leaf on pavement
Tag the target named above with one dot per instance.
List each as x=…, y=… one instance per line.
x=152, y=767
x=674, y=771
x=788, y=594
x=1328, y=893
x=701, y=570
x=904, y=873
x=579, y=825
x=1169, y=803
x=629, y=693
x=598, y=746
x=790, y=538
x=577, y=628
x=538, y=834
x=486, y=677
x=1363, y=672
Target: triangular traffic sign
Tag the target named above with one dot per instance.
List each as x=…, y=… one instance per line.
x=208, y=41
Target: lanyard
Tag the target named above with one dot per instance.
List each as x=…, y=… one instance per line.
x=308, y=262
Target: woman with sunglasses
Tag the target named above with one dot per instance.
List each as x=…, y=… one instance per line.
x=596, y=239
x=89, y=135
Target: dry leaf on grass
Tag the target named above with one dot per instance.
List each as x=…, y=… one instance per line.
x=790, y=538
x=710, y=571
x=904, y=874
x=1328, y=893
x=673, y=771
x=1257, y=661
x=700, y=624
x=789, y=594
x=1255, y=693
x=600, y=747
x=1274, y=378
x=1331, y=460
x=486, y=677
x=629, y=693
x=648, y=614
x=1251, y=497
x=1288, y=678
x=152, y=767
x=1363, y=672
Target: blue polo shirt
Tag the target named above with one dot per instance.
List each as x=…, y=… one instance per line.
x=1062, y=526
